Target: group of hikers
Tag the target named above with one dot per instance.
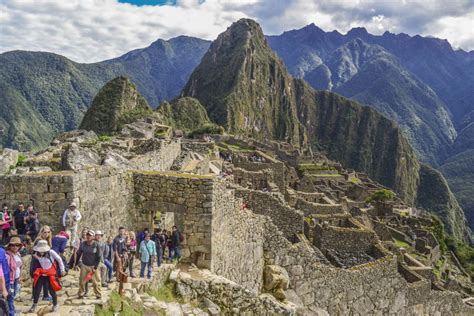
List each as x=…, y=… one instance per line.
x=96, y=257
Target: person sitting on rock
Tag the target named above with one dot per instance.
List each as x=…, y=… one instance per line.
x=147, y=254
x=90, y=256
x=45, y=266
x=71, y=219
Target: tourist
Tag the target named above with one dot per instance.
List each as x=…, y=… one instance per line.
x=29, y=210
x=4, y=310
x=58, y=244
x=14, y=263
x=147, y=255
x=71, y=218
x=33, y=226
x=169, y=244
x=28, y=248
x=45, y=267
x=74, y=260
x=6, y=222
x=141, y=236
x=176, y=239
x=90, y=257
x=102, y=267
x=46, y=235
x=119, y=249
x=108, y=258
x=157, y=237
x=19, y=219
x=132, y=250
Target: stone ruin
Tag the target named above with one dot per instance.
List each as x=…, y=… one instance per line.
x=271, y=229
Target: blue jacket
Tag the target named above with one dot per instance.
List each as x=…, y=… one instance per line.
x=147, y=249
x=6, y=268
x=59, y=244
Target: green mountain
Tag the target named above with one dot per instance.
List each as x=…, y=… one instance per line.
x=43, y=93
x=459, y=170
x=186, y=114
x=116, y=104
x=246, y=88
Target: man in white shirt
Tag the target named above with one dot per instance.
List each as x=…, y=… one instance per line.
x=71, y=219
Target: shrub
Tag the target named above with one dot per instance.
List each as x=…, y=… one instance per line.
x=381, y=195
x=207, y=129
x=21, y=160
x=104, y=138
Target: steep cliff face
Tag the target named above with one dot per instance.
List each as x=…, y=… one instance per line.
x=434, y=195
x=245, y=87
x=360, y=138
x=117, y=103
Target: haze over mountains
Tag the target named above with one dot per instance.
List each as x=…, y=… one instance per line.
x=421, y=83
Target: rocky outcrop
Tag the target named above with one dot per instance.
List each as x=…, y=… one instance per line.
x=276, y=281
x=78, y=158
x=8, y=159
x=116, y=104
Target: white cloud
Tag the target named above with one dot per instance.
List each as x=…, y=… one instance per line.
x=94, y=30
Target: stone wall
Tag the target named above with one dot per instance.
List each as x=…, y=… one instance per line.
x=375, y=288
x=190, y=197
x=255, y=180
x=349, y=240
x=310, y=208
x=103, y=194
x=50, y=193
x=277, y=168
x=237, y=241
x=156, y=155
x=287, y=219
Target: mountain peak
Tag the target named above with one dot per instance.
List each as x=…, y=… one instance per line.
x=117, y=102
x=358, y=32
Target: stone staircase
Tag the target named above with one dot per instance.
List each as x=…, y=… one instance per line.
x=134, y=291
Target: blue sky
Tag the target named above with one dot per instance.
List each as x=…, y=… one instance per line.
x=95, y=30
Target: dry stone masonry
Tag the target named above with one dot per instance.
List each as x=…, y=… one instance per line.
x=262, y=235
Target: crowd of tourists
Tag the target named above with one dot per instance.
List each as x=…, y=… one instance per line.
x=98, y=258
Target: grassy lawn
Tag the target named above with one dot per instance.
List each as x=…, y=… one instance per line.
x=401, y=243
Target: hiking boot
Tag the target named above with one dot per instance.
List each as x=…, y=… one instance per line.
x=55, y=308
x=32, y=309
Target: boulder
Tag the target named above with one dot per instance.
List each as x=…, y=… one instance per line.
x=78, y=158
x=138, y=129
x=8, y=158
x=115, y=160
x=275, y=277
x=75, y=136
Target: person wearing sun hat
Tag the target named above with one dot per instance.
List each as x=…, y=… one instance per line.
x=14, y=262
x=71, y=219
x=44, y=267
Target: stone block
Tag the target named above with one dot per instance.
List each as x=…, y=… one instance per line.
x=60, y=187
x=54, y=196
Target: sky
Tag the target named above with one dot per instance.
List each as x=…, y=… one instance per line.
x=95, y=30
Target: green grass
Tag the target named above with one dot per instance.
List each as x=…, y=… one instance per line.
x=104, y=138
x=21, y=160
x=314, y=166
x=165, y=294
x=401, y=243
x=120, y=306
x=354, y=180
